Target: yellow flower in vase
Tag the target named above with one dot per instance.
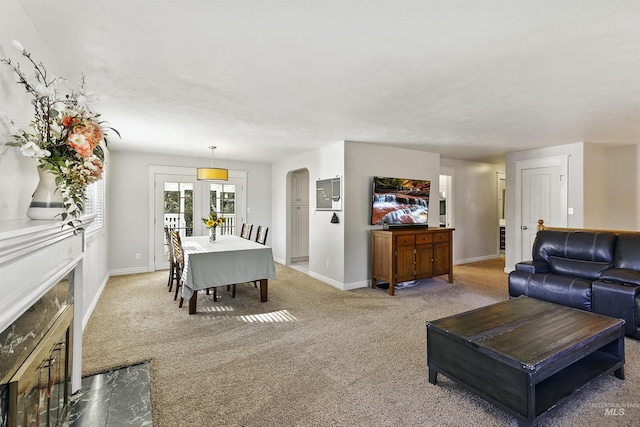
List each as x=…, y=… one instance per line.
x=211, y=222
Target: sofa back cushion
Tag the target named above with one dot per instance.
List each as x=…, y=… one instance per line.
x=627, y=251
x=576, y=245
x=577, y=268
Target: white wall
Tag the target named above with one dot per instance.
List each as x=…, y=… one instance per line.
x=346, y=246
x=326, y=240
x=602, y=188
x=623, y=188
x=595, y=176
x=363, y=162
x=475, y=210
x=574, y=190
x=18, y=175
x=128, y=201
x=15, y=102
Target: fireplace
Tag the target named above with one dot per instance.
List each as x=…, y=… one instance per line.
x=40, y=333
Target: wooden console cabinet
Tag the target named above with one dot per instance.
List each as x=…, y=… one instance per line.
x=400, y=255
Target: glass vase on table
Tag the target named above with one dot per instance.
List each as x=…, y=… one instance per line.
x=212, y=234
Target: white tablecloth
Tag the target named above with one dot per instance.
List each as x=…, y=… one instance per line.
x=228, y=260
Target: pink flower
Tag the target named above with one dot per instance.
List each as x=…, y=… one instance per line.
x=89, y=129
x=81, y=145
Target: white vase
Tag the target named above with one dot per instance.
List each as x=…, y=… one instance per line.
x=212, y=234
x=46, y=202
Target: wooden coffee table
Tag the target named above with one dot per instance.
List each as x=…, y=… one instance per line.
x=525, y=355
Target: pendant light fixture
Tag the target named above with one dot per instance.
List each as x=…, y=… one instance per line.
x=212, y=174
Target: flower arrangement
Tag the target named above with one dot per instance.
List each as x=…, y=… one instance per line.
x=213, y=220
x=65, y=136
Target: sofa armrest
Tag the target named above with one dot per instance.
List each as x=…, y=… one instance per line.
x=533, y=267
x=616, y=300
x=621, y=275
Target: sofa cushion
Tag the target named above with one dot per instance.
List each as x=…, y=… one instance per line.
x=621, y=275
x=570, y=291
x=577, y=268
x=580, y=245
x=627, y=251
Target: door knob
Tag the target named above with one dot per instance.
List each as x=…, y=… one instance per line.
x=524, y=227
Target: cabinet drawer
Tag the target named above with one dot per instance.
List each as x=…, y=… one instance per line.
x=408, y=240
x=440, y=237
x=424, y=238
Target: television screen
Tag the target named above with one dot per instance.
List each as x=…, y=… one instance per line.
x=400, y=201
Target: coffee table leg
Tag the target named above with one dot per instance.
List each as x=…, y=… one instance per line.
x=619, y=373
x=264, y=290
x=193, y=301
x=433, y=376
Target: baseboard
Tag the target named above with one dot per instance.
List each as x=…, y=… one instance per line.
x=94, y=302
x=123, y=271
x=338, y=285
x=356, y=285
x=326, y=280
x=476, y=259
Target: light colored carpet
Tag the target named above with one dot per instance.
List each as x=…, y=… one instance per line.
x=313, y=355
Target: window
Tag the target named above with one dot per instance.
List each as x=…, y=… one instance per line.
x=95, y=205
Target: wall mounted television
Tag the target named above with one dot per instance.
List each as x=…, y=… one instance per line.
x=400, y=202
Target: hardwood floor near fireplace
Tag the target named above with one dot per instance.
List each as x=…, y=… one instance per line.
x=120, y=397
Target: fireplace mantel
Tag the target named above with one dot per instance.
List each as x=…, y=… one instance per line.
x=34, y=256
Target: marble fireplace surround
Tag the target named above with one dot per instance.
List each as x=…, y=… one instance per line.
x=34, y=257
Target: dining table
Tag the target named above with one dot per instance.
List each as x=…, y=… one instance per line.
x=225, y=261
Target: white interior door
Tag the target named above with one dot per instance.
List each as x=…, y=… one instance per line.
x=299, y=231
x=543, y=196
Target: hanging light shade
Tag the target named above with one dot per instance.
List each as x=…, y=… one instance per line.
x=212, y=174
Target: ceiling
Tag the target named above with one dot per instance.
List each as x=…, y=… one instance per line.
x=265, y=80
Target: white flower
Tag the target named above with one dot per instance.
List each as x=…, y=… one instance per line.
x=87, y=100
x=30, y=149
x=59, y=106
x=56, y=130
x=19, y=46
x=43, y=90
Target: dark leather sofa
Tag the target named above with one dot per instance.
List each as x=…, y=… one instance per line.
x=596, y=271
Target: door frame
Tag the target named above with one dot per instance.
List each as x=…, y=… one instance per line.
x=563, y=162
x=449, y=173
x=241, y=200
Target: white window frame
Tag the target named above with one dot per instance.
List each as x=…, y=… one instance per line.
x=95, y=204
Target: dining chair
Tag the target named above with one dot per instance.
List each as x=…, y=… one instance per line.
x=246, y=231
x=179, y=261
x=261, y=237
x=172, y=262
